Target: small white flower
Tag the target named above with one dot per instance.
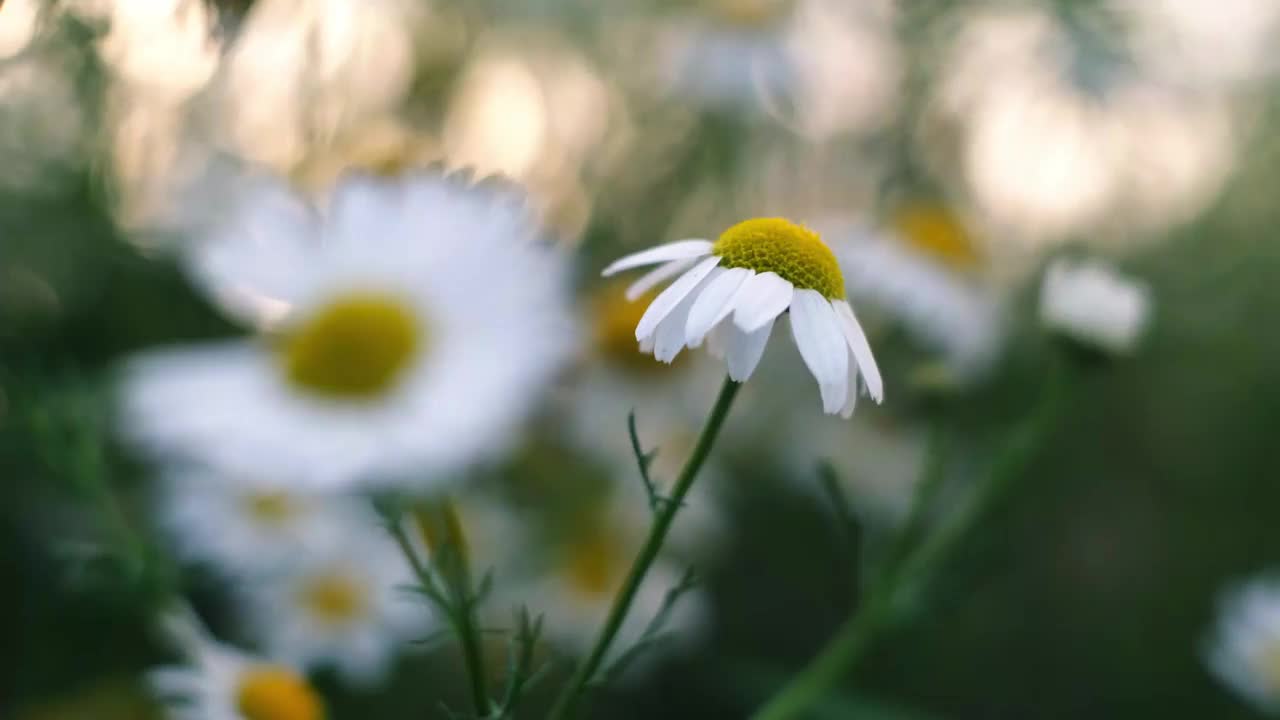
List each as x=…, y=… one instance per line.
x=249, y=529
x=348, y=609
x=1245, y=648
x=921, y=272
x=222, y=683
x=730, y=292
x=412, y=324
x=1094, y=304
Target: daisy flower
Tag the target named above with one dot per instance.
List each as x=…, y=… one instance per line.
x=1091, y=303
x=222, y=683
x=730, y=292
x=924, y=270
x=1245, y=648
x=409, y=326
x=247, y=529
x=347, y=609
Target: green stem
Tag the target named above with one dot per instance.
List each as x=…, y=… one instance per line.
x=568, y=700
x=458, y=606
x=885, y=604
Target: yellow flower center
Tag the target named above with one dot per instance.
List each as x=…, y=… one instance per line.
x=355, y=348
x=938, y=233
x=614, y=321
x=593, y=567
x=780, y=246
x=274, y=509
x=751, y=14
x=270, y=692
x=333, y=598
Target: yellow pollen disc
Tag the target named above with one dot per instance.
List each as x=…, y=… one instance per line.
x=334, y=598
x=938, y=233
x=269, y=508
x=793, y=252
x=355, y=348
x=614, y=321
x=593, y=565
x=275, y=693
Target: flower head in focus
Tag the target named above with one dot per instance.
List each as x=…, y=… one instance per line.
x=222, y=683
x=1093, y=304
x=1245, y=648
x=408, y=326
x=730, y=292
x=345, y=608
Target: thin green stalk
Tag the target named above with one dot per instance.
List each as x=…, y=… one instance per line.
x=885, y=604
x=568, y=700
x=456, y=601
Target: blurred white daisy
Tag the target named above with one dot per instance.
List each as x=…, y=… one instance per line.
x=412, y=323
x=924, y=271
x=730, y=292
x=1244, y=650
x=250, y=529
x=586, y=572
x=819, y=66
x=348, y=609
x=1094, y=304
x=222, y=683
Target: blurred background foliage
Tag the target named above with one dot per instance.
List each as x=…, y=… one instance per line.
x=1087, y=594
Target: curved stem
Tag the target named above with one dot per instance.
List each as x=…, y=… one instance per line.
x=884, y=605
x=568, y=699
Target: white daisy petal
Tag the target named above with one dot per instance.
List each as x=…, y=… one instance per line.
x=745, y=350
x=851, y=402
x=670, y=335
x=657, y=275
x=818, y=337
x=714, y=303
x=678, y=250
x=762, y=298
x=861, y=349
x=671, y=297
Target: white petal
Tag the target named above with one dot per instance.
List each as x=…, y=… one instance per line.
x=718, y=339
x=714, y=303
x=857, y=341
x=822, y=345
x=851, y=403
x=671, y=297
x=745, y=350
x=762, y=298
x=678, y=250
x=657, y=275
x=669, y=337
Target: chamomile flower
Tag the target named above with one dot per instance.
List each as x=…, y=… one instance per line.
x=347, y=609
x=409, y=325
x=731, y=291
x=247, y=529
x=222, y=683
x=1245, y=648
x=1093, y=304
x=924, y=271
x=587, y=569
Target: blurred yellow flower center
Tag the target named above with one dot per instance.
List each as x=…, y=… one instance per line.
x=593, y=565
x=277, y=693
x=333, y=598
x=355, y=348
x=614, y=321
x=753, y=14
x=939, y=234
x=780, y=246
x=269, y=508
